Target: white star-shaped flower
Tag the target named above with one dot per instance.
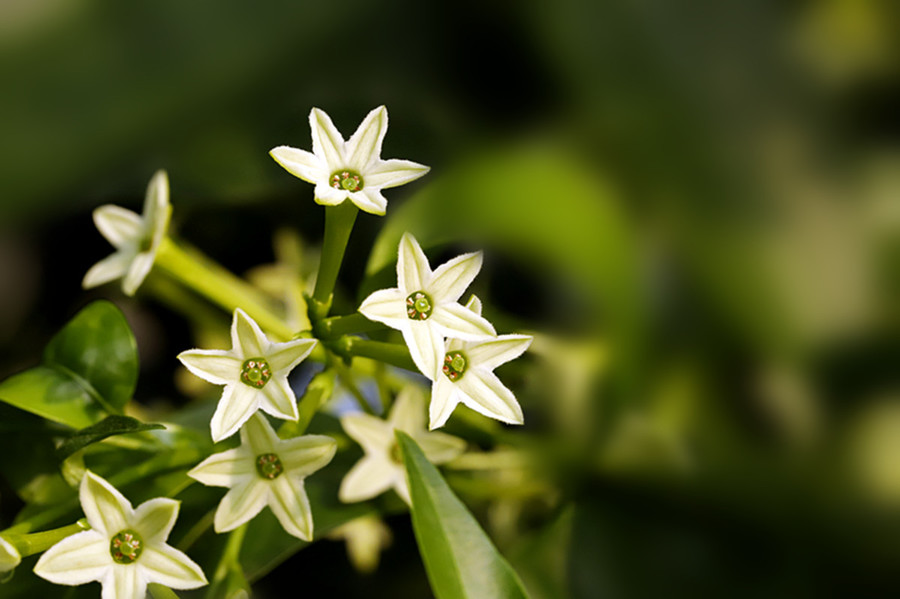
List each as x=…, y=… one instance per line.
x=266, y=470
x=254, y=373
x=382, y=466
x=467, y=377
x=424, y=305
x=135, y=237
x=125, y=549
x=352, y=169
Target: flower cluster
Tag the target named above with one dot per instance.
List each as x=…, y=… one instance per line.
x=452, y=344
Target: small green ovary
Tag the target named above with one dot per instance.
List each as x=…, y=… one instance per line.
x=255, y=372
x=346, y=180
x=126, y=546
x=394, y=453
x=418, y=306
x=455, y=364
x=268, y=465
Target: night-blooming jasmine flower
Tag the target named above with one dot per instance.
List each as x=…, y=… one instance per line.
x=350, y=170
x=125, y=549
x=382, y=466
x=135, y=237
x=424, y=305
x=254, y=372
x=9, y=556
x=467, y=377
x=266, y=470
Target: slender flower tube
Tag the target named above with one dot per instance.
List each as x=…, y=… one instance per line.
x=424, y=305
x=382, y=466
x=266, y=470
x=351, y=170
x=125, y=549
x=135, y=237
x=254, y=373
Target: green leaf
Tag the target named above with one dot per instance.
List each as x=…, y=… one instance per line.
x=89, y=370
x=109, y=426
x=460, y=559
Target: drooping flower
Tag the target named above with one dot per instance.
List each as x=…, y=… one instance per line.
x=135, y=237
x=125, y=549
x=366, y=537
x=424, y=305
x=266, y=470
x=467, y=377
x=382, y=466
x=350, y=170
x=254, y=372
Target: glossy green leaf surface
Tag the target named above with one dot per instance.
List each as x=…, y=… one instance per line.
x=461, y=561
x=109, y=426
x=90, y=368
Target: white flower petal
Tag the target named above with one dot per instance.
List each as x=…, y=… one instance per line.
x=413, y=271
x=385, y=305
x=279, y=400
x=241, y=503
x=289, y=503
x=247, y=339
x=408, y=411
x=157, y=209
x=364, y=146
x=440, y=447
x=119, y=225
x=223, y=469
x=107, y=510
x=370, y=200
x=137, y=272
x=444, y=399
x=483, y=392
x=474, y=304
x=426, y=346
x=154, y=519
x=451, y=278
x=216, y=366
x=374, y=434
x=78, y=559
x=329, y=196
x=304, y=455
x=490, y=354
x=110, y=268
x=124, y=581
x=369, y=477
x=461, y=323
x=401, y=486
x=285, y=356
x=238, y=403
x=170, y=567
x=391, y=173
x=258, y=436
x=9, y=556
x=300, y=163
x=327, y=142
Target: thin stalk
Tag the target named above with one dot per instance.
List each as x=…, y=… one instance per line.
x=390, y=353
x=343, y=325
x=338, y=225
x=36, y=542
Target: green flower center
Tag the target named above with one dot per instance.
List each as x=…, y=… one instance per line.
x=346, y=180
x=395, y=454
x=455, y=364
x=146, y=243
x=126, y=547
x=255, y=372
x=269, y=466
x=418, y=306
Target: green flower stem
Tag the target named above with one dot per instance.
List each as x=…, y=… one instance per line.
x=317, y=393
x=343, y=325
x=198, y=272
x=338, y=225
x=229, y=574
x=158, y=591
x=36, y=542
x=390, y=353
x=349, y=382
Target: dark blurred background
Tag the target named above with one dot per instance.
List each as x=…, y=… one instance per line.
x=695, y=204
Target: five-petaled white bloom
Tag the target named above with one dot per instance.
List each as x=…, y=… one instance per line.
x=254, y=373
x=382, y=466
x=467, y=377
x=266, y=470
x=125, y=549
x=352, y=169
x=9, y=556
x=424, y=304
x=135, y=237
